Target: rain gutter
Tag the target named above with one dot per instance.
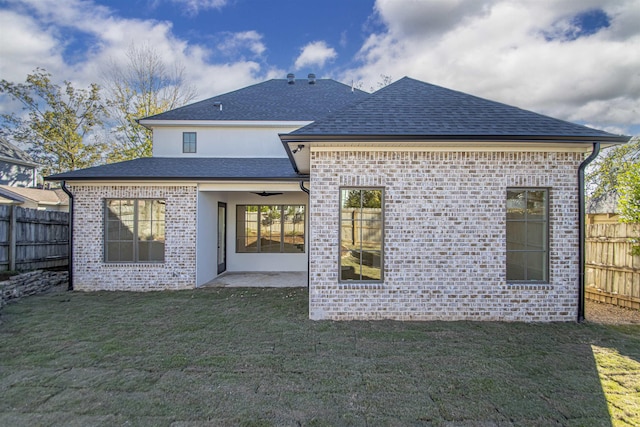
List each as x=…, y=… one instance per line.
x=581, y=214
x=306, y=190
x=70, y=263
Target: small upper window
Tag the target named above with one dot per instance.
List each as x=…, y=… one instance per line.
x=188, y=142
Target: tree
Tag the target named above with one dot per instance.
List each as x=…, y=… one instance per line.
x=385, y=80
x=629, y=194
x=363, y=198
x=57, y=123
x=143, y=87
x=602, y=179
x=629, y=200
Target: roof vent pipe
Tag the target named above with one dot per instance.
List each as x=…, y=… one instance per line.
x=292, y=78
x=218, y=104
x=312, y=79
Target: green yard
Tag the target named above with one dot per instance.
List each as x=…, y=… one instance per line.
x=250, y=357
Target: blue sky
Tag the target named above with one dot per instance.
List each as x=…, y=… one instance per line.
x=575, y=60
x=284, y=27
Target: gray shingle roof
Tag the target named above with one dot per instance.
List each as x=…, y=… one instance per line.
x=10, y=151
x=194, y=168
x=411, y=107
x=273, y=100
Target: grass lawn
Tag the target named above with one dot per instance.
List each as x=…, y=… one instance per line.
x=250, y=357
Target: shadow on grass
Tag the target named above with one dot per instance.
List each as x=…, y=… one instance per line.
x=244, y=356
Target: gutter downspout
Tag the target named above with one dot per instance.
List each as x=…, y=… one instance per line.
x=70, y=264
x=303, y=188
x=306, y=190
x=581, y=214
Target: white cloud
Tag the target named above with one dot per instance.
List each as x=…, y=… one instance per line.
x=315, y=54
x=20, y=55
x=45, y=26
x=195, y=6
x=422, y=18
x=235, y=42
x=497, y=49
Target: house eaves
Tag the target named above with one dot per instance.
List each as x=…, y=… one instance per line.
x=451, y=139
x=172, y=169
x=33, y=195
x=151, y=123
x=11, y=153
x=18, y=161
x=299, y=147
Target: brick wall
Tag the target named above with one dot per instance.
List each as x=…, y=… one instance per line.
x=444, y=241
x=178, y=271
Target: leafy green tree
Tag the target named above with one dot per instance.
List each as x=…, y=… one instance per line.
x=602, y=179
x=368, y=198
x=629, y=194
x=629, y=199
x=56, y=121
x=143, y=87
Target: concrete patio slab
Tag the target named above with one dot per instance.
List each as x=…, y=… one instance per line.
x=268, y=279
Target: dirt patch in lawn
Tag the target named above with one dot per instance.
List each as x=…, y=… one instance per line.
x=609, y=314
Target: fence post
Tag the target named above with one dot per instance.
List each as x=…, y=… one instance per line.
x=12, y=238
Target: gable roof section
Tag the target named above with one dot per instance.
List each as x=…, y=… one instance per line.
x=186, y=169
x=36, y=195
x=11, y=153
x=418, y=110
x=272, y=100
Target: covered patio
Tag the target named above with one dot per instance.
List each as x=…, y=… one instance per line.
x=266, y=279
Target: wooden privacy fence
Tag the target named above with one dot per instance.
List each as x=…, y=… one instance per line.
x=612, y=273
x=361, y=226
x=32, y=239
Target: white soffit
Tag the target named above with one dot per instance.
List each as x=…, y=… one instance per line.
x=223, y=123
x=251, y=186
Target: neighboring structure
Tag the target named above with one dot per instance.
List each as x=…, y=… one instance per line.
x=34, y=198
x=424, y=203
x=17, y=168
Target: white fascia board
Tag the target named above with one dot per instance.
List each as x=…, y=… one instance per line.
x=240, y=186
x=102, y=183
x=466, y=146
x=222, y=123
x=19, y=162
x=251, y=186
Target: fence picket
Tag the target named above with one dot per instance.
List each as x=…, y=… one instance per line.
x=612, y=272
x=41, y=239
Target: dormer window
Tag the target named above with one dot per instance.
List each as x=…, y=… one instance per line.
x=188, y=142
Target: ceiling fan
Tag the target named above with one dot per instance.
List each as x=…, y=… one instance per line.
x=266, y=194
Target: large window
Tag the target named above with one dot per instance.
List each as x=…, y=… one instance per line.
x=134, y=230
x=361, y=232
x=270, y=228
x=188, y=142
x=527, y=235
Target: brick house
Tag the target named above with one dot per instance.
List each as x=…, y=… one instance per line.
x=415, y=202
